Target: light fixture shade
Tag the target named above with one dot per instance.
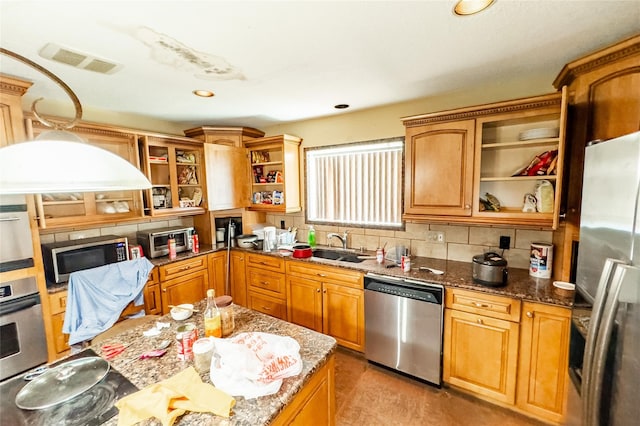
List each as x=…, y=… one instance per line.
x=471, y=7
x=53, y=166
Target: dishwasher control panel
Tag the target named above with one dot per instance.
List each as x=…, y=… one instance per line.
x=404, y=288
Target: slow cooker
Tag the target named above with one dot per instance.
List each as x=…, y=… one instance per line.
x=490, y=269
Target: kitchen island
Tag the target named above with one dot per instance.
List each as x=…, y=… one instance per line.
x=312, y=388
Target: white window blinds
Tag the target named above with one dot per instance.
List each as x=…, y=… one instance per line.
x=357, y=184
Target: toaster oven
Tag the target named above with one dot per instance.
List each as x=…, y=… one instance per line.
x=154, y=241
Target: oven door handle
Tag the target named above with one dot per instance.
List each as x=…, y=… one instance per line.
x=7, y=308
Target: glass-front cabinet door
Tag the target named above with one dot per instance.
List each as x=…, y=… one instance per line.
x=176, y=170
x=64, y=209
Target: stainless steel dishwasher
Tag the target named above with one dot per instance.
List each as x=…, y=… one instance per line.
x=403, y=325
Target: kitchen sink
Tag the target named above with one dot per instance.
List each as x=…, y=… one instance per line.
x=340, y=255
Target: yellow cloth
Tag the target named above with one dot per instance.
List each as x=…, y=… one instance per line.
x=171, y=398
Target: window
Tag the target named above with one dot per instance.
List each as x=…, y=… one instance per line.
x=356, y=184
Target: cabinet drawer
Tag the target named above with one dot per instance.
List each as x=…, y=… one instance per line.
x=176, y=269
x=58, y=302
x=266, y=282
x=325, y=273
x=268, y=305
x=483, y=304
x=265, y=262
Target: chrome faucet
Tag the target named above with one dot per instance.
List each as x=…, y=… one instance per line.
x=342, y=238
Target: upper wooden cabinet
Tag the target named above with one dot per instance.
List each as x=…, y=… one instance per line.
x=175, y=168
x=68, y=209
x=11, y=117
x=604, y=103
x=275, y=173
x=454, y=158
x=229, y=136
x=439, y=172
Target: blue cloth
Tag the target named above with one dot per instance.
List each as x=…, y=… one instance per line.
x=97, y=297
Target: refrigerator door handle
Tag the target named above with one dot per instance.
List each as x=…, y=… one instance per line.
x=603, y=340
x=592, y=334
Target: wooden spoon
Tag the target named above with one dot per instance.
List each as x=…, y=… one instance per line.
x=183, y=308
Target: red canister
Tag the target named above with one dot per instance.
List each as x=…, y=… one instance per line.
x=185, y=336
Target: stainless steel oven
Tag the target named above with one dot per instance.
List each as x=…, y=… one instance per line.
x=16, y=248
x=23, y=343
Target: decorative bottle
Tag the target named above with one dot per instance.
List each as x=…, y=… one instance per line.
x=212, y=321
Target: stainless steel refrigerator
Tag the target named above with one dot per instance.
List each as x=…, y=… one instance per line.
x=608, y=276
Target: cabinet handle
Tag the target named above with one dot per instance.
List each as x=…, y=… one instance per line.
x=164, y=290
x=321, y=275
x=529, y=314
x=266, y=309
x=480, y=321
x=264, y=282
x=263, y=263
x=480, y=305
x=324, y=291
x=184, y=268
x=317, y=290
x=467, y=206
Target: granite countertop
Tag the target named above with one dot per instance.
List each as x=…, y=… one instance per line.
x=315, y=350
x=456, y=274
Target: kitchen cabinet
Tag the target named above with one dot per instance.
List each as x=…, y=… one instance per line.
x=542, y=371
x=228, y=135
x=315, y=404
x=454, y=158
x=58, y=306
x=605, y=103
x=439, y=168
x=481, y=335
x=266, y=291
x=217, y=264
x=11, y=116
x=238, y=280
x=152, y=294
x=328, y=300
x=175, y=168
x=69, y=209
x=275, y=174
x=184, y=281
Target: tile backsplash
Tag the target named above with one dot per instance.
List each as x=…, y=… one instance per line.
x=460, y=243
x=124, y=230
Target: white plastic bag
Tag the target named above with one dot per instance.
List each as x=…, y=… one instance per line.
x=254, y=364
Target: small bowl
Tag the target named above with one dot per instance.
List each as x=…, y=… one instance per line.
x=564, y=288
x=180, y=314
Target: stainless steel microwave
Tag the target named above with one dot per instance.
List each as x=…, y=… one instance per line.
x=62, y=258
x=154, y=241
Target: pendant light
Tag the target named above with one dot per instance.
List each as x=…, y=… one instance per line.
x=59, y=161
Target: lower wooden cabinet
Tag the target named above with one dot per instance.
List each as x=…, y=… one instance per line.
x=513, y=353
x=237, y=278
x=189, y=288
x=542, y=371
x=315, y=404
x=328, y=300
x=481, y=354
x=217, y=271
x=265, y=280
x=60, y=339
x=152, y=297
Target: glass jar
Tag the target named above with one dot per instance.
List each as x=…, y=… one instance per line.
x=225, y=305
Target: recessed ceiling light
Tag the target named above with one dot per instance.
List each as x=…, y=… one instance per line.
x=470, y=7
x=203, y=93
x=341, y=106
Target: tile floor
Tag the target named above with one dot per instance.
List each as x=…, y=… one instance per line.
x=369, y=395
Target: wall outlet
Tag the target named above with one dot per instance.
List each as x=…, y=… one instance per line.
x=435, y=237
x=505, y=242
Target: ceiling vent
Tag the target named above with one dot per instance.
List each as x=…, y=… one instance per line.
x=78, y=59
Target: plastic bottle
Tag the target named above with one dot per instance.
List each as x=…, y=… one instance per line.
x=311, y=237
x=212, y=320
x=195, y=243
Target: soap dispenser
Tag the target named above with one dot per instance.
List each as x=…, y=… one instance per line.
x=311, y=237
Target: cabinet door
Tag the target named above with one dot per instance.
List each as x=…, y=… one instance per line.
x=60, y=339
x=481, y=355
x=304, y=302
x=544, y=347
x=152, y=299
x=268, y=305
x=238, y=279
x=189, y=288
x=439, y=169
x=227, y=180
x=343, y=315
x=218, y=272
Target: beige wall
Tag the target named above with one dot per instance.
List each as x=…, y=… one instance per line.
x=461, y=242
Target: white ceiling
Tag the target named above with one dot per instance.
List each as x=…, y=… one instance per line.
x=277, y=61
